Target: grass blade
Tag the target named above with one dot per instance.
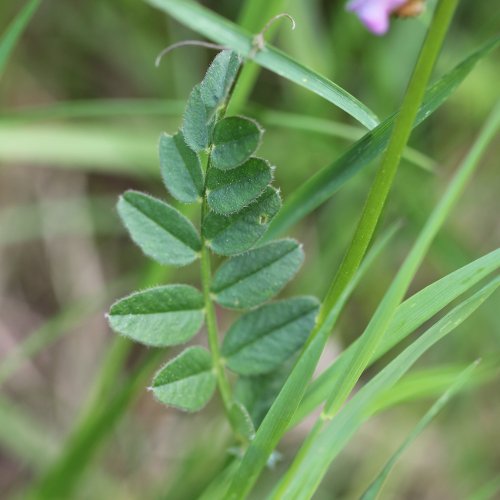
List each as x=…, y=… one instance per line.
x=335, y=436
x=409, y=316
x=374, y=333
x=374, y=489
x=223, y=31
x=13, y=33
x=321, y=186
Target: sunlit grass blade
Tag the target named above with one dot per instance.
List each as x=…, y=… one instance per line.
x=9, y=39
x=375, y=488
x=101, y=149
x=432, y=382
x=382, y=317
x=93, y=108
x=410, y=315
x=371, y=339
x=329, y=442
x=321, y=186
x=223, y=31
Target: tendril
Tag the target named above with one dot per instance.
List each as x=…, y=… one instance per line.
x=198, y=43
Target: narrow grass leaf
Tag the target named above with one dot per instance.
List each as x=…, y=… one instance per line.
x=159, y=317
x=263, y=339
x=234, y=140
x=11, y=36
x=252, y=278
x=375, y=488
x=231, y=191
x=207, y=97
x=233, y=234
x=161, y=231
x=180, y=168
x=409, y=316
x=328, y=444
x=187, y=382
x=223, y=31
x=321, y=186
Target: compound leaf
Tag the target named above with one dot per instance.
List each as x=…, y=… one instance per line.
x=233, y=234
x=158, y=229
x=252, y=278
x=180, y=168
x=229, y=192
x=161, y=316
x=234, y=140
x=186, y=382
x=261, y=340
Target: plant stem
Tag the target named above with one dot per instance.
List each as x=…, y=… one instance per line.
x=274, y=425
x=213, y=338
x=212, y=330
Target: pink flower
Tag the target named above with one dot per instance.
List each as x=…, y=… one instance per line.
x=375, y=14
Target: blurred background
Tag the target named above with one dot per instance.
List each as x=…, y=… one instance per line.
x=81, y=110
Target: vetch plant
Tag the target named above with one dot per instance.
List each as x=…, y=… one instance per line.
x=274, y=347
x=211, y=162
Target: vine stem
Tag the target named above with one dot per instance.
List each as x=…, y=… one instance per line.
x=277, y=419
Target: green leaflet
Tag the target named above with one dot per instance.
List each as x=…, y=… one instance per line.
x=231, y=191
x=207, y=97
x=252, y=278
x=233, y=234
x=234, y=140
x=180, y=168
x=161, y=316
x=186, y=382
x=158, y=229
x=261, y=340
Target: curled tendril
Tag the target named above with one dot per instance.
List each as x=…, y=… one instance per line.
x=259, y=40
x=198, y=43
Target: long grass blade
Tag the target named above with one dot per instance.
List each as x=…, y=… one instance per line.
x=409, y=316
x=321, y=186
x=13, y=33
x=375, y=488
x=343, y=426
x=223, y=31
x=374, y=333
